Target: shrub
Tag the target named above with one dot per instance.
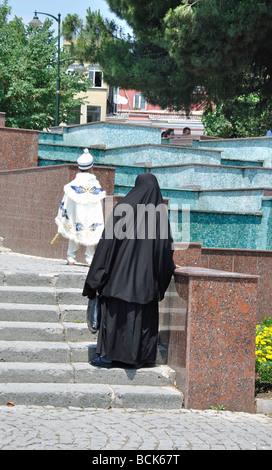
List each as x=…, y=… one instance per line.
x=263, y=354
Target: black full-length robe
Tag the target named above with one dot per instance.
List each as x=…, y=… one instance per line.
x=131, y=271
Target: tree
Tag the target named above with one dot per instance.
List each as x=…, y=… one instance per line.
x=244, y=116
x=28, y=71
x=183, y=51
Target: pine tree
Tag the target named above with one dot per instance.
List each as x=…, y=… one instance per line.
x=181, y=52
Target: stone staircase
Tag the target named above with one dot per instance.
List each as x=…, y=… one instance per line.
x=45, y=349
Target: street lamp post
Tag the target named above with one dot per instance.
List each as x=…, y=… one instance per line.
x=36, y=23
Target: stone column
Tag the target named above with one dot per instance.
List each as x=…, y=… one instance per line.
x=214, y=353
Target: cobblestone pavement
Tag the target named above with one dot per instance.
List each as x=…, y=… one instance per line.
x=49, y=428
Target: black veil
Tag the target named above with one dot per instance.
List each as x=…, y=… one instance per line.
x=134, y=258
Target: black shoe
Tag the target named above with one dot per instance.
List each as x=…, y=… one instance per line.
x=140, y=365
x=101, y=362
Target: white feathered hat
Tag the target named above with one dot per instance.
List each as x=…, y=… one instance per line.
x=85, y=161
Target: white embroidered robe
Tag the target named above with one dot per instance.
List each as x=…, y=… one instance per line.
x=80, y=216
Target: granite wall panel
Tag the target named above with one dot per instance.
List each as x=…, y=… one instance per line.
x=18, y=148
x=255, y=262
x=30, y=200
x=214, y=356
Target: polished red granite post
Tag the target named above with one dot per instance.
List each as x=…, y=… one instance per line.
x=214, y=354
x=18, y=148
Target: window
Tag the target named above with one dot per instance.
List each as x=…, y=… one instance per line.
x=93, y=113
x=77, y=114
x=139, y=101
x=95, y=76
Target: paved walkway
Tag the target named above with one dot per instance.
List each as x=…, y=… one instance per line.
x=15, y=262
x=49, y=428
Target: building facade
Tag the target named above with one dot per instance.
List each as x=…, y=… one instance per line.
x=106, y=103
x=98, y=98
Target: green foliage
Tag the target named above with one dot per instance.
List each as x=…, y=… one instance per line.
x=28, y=69
x=263, y=381
x=240, y=117
x=267, y=322
x=215, y=124
x=182, y=52
x=264, y=356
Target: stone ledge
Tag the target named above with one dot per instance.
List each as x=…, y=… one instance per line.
x=19, y=130
x=191, y=271
x=263, y=404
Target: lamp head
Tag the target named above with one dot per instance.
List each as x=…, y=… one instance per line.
x=35, y=21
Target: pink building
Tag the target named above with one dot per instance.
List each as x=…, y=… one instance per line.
x=134, y=100
x=131, y=105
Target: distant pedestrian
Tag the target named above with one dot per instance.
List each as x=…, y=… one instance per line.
x=167, y=134
x=80, y=216
x=186, y=131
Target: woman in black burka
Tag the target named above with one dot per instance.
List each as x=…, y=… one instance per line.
x=130, y=271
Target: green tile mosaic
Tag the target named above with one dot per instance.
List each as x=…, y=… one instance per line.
x=222, y=230
x=109, y=134
x=252, y=149
x=241, y=162
x=222, y=182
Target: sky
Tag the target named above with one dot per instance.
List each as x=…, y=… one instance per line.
x=25, y=9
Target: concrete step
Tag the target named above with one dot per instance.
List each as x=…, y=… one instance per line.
x=91, y=395
x=42, y=351
x=41, y=295
x=30, y=312
x=36, y=279
x=71, y=296
x=25, y=331
x=44, y=331
x=28, y=279
x=71, y=313
x=82, y=372
x=63, y=352
x=46, y=349
x=71, y=280
x=28, y=295
x=42, y=313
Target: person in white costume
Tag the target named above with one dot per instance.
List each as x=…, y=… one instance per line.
x=80, y=216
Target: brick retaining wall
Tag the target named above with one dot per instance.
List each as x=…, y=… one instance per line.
x=30, y=200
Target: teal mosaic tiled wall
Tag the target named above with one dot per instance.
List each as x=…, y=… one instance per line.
x=258, y=149
x=130, y=155
x=241, y=162
x=225, y=201
x=213, y=177
x=223, y=230
x=107, y=134
x=215, y=228
x=222, y=181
